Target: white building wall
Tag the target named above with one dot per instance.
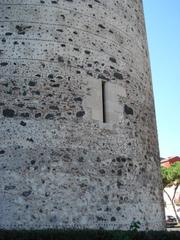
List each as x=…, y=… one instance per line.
x=169, y=211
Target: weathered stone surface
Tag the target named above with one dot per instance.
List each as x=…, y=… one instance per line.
x=78, y=133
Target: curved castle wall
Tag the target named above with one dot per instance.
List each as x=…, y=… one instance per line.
x=78, y=133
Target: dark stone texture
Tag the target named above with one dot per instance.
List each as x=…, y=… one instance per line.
x=9, y=187
x=128, y=110
x=103, y=77
x=8, y=113
x=3, y=64
x=118, y=75
x=49, y=116
x=26, y=193
x=80, y=114
x=112, y=59
x=22, y=123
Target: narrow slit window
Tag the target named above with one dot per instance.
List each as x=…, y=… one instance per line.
x=103, y=102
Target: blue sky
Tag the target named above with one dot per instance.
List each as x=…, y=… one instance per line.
x=163, y=30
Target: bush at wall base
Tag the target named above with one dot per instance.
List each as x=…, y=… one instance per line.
x=87, y=235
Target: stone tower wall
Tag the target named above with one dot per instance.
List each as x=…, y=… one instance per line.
x=78, y=133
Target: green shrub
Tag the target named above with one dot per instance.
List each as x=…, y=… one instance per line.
x=86, y=235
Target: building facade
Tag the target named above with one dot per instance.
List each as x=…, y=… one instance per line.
x=78, y=132
x=169, y=192
x=167, y=162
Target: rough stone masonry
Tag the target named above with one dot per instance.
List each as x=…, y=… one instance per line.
x=78, y=133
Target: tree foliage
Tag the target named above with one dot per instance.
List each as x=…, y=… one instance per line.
x=171, y=175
